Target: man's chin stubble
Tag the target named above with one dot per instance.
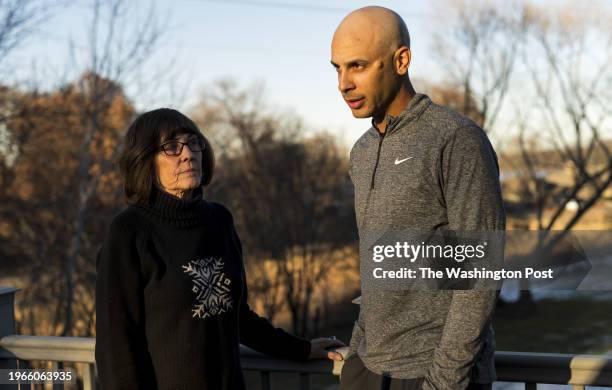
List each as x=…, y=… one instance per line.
x=361, y=115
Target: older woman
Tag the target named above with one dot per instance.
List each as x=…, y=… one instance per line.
x=171, y=297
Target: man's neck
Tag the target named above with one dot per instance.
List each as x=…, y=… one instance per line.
x=403, y=97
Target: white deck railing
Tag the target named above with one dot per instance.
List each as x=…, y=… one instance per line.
x=528, y=368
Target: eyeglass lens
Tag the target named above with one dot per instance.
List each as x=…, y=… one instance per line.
x=175, y=148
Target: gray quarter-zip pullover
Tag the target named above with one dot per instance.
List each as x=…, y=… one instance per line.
x=432, y=170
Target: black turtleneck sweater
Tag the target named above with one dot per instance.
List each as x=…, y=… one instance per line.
x=171, y=300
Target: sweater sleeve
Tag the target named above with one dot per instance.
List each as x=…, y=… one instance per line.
x=473, y=200
x=259, y=334
x=121, y=347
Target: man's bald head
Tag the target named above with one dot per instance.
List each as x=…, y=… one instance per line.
x=378, y=27
x=371, y=53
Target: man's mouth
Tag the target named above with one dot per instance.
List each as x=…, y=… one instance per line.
x=355, y=103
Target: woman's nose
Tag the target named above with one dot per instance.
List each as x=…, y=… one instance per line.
x=186, y=154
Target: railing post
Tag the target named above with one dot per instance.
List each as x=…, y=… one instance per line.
x=304, y=381
x=89, y=375
x=265, y=380
x=7, y=326
x=55, y=366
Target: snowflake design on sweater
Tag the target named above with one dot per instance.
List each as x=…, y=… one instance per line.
x=211, y=286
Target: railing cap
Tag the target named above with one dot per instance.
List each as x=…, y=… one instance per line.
x=7, y=290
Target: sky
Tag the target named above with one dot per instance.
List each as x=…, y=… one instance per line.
x=283, y=44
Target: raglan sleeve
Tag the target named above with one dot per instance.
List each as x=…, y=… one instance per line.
x=258, y=333
x=121, y=347
x=470, y=178
x=358, y=334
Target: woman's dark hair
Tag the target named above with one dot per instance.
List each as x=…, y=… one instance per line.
x=144, y=139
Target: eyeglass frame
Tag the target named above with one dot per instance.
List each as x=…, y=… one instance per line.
x=201, y=144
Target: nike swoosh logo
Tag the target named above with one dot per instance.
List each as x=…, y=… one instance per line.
x=398, y=161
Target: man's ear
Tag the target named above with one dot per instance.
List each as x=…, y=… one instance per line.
x=401, y=59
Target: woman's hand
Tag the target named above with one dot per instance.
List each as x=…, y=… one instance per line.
x=320, y=348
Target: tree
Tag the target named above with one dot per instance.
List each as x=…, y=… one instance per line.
x=564, y=126
x=573, y=94
x=477, y=44
x=113, y=56
x=561, y=109
x=79, y=124
x=291, y=194
x=448, y=95
x=48, y=134
x=18, y=19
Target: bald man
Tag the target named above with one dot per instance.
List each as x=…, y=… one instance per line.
x=420, y=167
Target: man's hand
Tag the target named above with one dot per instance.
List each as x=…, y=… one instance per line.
x=320, y=348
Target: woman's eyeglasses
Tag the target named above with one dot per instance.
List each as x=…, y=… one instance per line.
x=175, y=148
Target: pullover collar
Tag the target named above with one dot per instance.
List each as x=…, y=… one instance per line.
x=180, y=213
x=412, y=112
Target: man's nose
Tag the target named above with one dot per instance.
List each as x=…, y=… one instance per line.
x=345, y=82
